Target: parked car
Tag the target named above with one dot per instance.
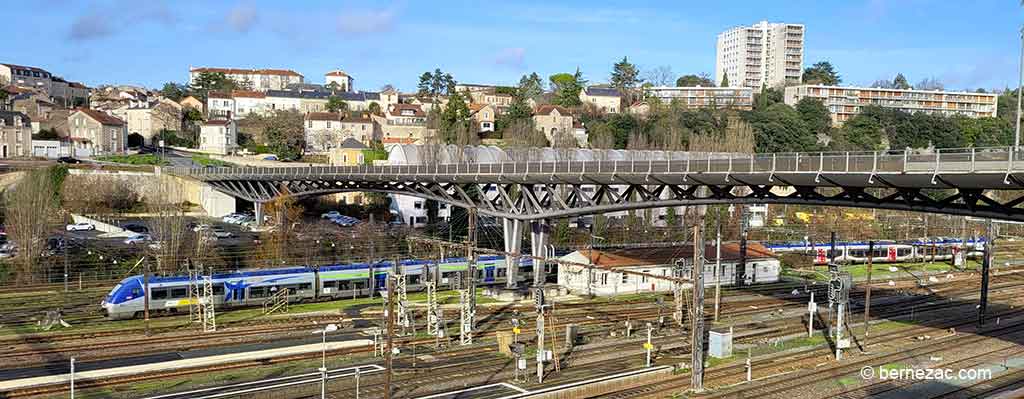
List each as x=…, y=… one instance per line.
x=345, y=221
x=138, y=238
x=136, y=228
x=331, y=215
x=200, y=227
x=83, y=226
x=270, y=158
x=221, y=233
x=68, y=160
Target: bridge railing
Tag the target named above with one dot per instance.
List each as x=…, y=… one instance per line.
x=962, y=160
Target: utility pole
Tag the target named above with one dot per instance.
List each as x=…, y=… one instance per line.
x=718, y=261
x=145, y=295
x=65, y=266
x=697, y=321
x=467, y=298
x=986, y=263
x=538, y=302
x=388, y=340
x=741, y=272
x=1020, y=84
x=867, y=289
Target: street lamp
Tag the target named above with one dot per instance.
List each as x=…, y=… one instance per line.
x=1020, y=84
x=323, y=358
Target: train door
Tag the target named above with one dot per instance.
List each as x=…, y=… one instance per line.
x=819, y=257
x=380, y=281
x=489, y=274
x=892, y=254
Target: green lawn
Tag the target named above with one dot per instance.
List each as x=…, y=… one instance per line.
x=135, y=159
x=204, y=160
x=881, y=270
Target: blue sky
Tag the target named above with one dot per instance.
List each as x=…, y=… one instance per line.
x=150, y=42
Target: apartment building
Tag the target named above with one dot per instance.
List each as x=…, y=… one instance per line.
x=704, y=97
x=327, y=130
x=96, y=133
x=403, y=124
x=257, y=79
x=60, y=91
x=762, y=55
x=340, y=79
x=218, y=136
x=606, y=99
x=15, y=135
x=146, y=119
x=845, y=102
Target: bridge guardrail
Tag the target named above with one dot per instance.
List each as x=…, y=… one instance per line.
x=962, y=160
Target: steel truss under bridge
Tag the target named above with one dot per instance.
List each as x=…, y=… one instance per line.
x=972, y=182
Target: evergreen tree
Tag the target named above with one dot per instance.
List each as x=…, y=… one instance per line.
x=823, y=73
x=900, y=82
x=725, y=80
x=625, y=76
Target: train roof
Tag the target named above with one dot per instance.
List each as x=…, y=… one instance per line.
x=919, y=241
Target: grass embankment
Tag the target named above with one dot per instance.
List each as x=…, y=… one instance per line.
x=204, y=160
x=882, y=270
x=134, y=159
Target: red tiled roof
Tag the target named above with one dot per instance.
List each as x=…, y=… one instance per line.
x=240, y=71
x=217, y=122
x=218, y=94
x=358, y=119
x=336, y=73
x=666, y=255
x=475, y=107
x=547, y=108
x=396, y=110
x=323, y=116
x=101, y=117
x=248, y=93
x=398, y=140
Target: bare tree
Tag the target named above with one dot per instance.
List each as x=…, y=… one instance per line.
x=284, y=214
x=522, y=133
x=660, y=76
x=31, y=208
x=169, y=225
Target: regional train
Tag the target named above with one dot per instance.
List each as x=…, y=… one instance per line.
x=884, y=251
x=253, y=287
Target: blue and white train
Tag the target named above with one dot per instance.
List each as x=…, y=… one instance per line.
x=884, y=251
x=253, y=287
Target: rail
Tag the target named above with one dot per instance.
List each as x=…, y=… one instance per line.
x=1005, y=160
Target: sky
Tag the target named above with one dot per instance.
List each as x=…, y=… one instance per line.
x=965, y=45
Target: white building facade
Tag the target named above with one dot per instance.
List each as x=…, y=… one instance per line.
x=845, y=102
x=762, y=55
x=218, y=136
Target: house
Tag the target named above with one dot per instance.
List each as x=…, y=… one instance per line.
x=39, y=109
x=639, y=108
x=15, y=135
x=146, y=119
x=96, y=133
x=552, y=120
x=340, y=79
x=610, y=279
x=483, y=116
x=403, y=124
x=607, y=100
x=350, y=152
x=220, y=105
x=255, y=79
x=192, y=102
x=58, y=90
x=579, y=132
x=218, y=136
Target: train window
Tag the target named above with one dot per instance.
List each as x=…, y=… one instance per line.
x=414, y=279
x=342, y=285
x=357, y=285
x=305, y=286
x=159, y=293
x=218, y=289
x=179, y=292
x=500, y=273
x=902, y=251
x=257, y=292
x=136, y=292
x=330, y=284
x=881, y=252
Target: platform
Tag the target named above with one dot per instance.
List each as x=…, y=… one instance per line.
x=179, y=364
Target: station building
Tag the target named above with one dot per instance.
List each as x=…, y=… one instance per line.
x=762, y=267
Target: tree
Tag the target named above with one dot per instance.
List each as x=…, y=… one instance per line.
x=985, y=132
x=660, y=76
x=283, y=132
x=779, y=128
x=814, y=113
x=929, y=84
x=568, y=93
x=284, y=213
x=900, y=82
x=522, y=133
x=767, y=97
x=882, y=84
x=531, y=87
x=174, y=91
x=375, y=109
x=725, y=80
x=334, y=87
x=822, y=73
x=336, y=104
x=213, y=81
x=860, y=133
x=695, y=80
x=625, y=76
x=30, y=209
x=454, y=117
x=436, y=83
x=169, y=224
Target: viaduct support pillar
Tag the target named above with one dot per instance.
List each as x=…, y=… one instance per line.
x=513, y=243
x=258, y=210
x=540, y=230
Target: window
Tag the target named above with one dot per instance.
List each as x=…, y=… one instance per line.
x=310, y=123
x=160, y=293
x=305, y=286
x=179, y=292
x=604, y=278
x=625, y=278
x=328, y=124
x=418, y=205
